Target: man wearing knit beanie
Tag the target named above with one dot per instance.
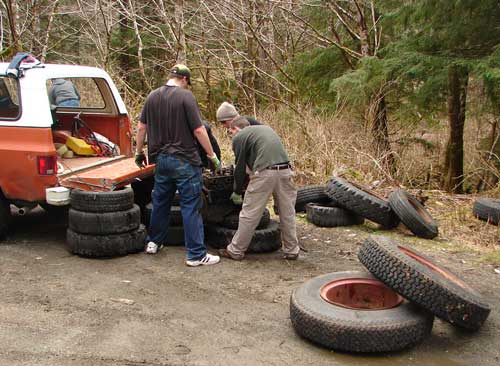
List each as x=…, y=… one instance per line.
x=227, y=113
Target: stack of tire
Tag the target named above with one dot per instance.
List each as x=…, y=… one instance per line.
x=104, y=224
x=343, y=203
x=176, y=228
x=219, y=233
x=389, y=309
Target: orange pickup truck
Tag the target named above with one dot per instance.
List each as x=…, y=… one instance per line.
x=36, y=165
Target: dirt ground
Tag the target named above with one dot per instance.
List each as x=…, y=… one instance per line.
x=57, y=309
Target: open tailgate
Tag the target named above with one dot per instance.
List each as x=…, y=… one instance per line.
x=108, y=176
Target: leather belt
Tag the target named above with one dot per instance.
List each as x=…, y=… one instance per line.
x=279, y=166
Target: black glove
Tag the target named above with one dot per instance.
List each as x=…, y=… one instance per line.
x=140, y=160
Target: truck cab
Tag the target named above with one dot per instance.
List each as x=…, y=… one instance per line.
x=35, y=168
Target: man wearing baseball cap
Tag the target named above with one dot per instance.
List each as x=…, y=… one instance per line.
x=172, y=121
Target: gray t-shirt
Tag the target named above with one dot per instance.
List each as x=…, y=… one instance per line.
x=171, y=114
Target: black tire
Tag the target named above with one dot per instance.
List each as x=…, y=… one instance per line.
x=106, y=222
x=263, y=241
x=413, y=214
x=142, y=191
x=111, y=201
x=175, y=236
x=420, y=280
x=308, y=194
x=352, y=329
x=95, y=246
x=329, y=216
x=487, y=209
x=5, y=216
x=231, y=221
x=361, y=201
x=175, y=215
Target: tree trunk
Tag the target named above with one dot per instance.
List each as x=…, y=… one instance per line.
x=453, y=170
x=181, y=37
x=15, y=44
x=124, y=56
x=380, y=134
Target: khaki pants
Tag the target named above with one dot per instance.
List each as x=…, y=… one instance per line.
x=262, y=185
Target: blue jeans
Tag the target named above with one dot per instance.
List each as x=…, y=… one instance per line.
x=173, y=174
x=69, y=103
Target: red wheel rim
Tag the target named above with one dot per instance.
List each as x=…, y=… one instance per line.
x=449, y=276
x=360, y=294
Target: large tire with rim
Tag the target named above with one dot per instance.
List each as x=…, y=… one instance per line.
x=413, y=214
x=361, y=201
x=420, y=280
x=114, y=245
x=231, y=221
x=487, y=209
x=119, y=200
x=331, y=216
x=311, y=194
x=5, y=216
x=106, y=222
x=263, y=241
x=352, y=311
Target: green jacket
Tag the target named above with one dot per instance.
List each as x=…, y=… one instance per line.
x=257, y=147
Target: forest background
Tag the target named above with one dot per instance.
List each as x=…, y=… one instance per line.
x=387, y=92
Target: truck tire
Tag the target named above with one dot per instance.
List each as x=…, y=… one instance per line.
x=420, y=280
x=487, y=209
x=263, y=241
x=111, y=201
x=95, y=246
x=5, y=216
x=352, y=311
x=413, y=214
x=308, y=194
x=175, y=215
x=175, y=236
x=329, y=216
x=106, y=222
x=361, y=201
x=142, y=191
x=231, y=221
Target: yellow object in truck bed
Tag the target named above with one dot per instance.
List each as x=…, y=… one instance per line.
x=79, y=146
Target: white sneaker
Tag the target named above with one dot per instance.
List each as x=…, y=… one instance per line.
x=152, y=248
x=207, y=260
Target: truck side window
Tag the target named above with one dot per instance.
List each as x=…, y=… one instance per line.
x=9, y=98
x=75, y=93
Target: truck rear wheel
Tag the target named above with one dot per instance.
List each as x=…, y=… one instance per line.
x=4, y=216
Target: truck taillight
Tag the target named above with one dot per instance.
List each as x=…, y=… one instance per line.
x=47, y=165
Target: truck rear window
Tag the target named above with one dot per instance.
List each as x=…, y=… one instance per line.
x=78, y=92
x=9, y=98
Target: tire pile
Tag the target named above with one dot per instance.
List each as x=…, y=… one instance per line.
x=344, y=203
x=221, y=217
x=389, y=309
x=176, y=228
x=104, y=224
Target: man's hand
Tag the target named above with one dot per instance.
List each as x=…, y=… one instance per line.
x=140, y=160
x=215, y=161
x=236, y=198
